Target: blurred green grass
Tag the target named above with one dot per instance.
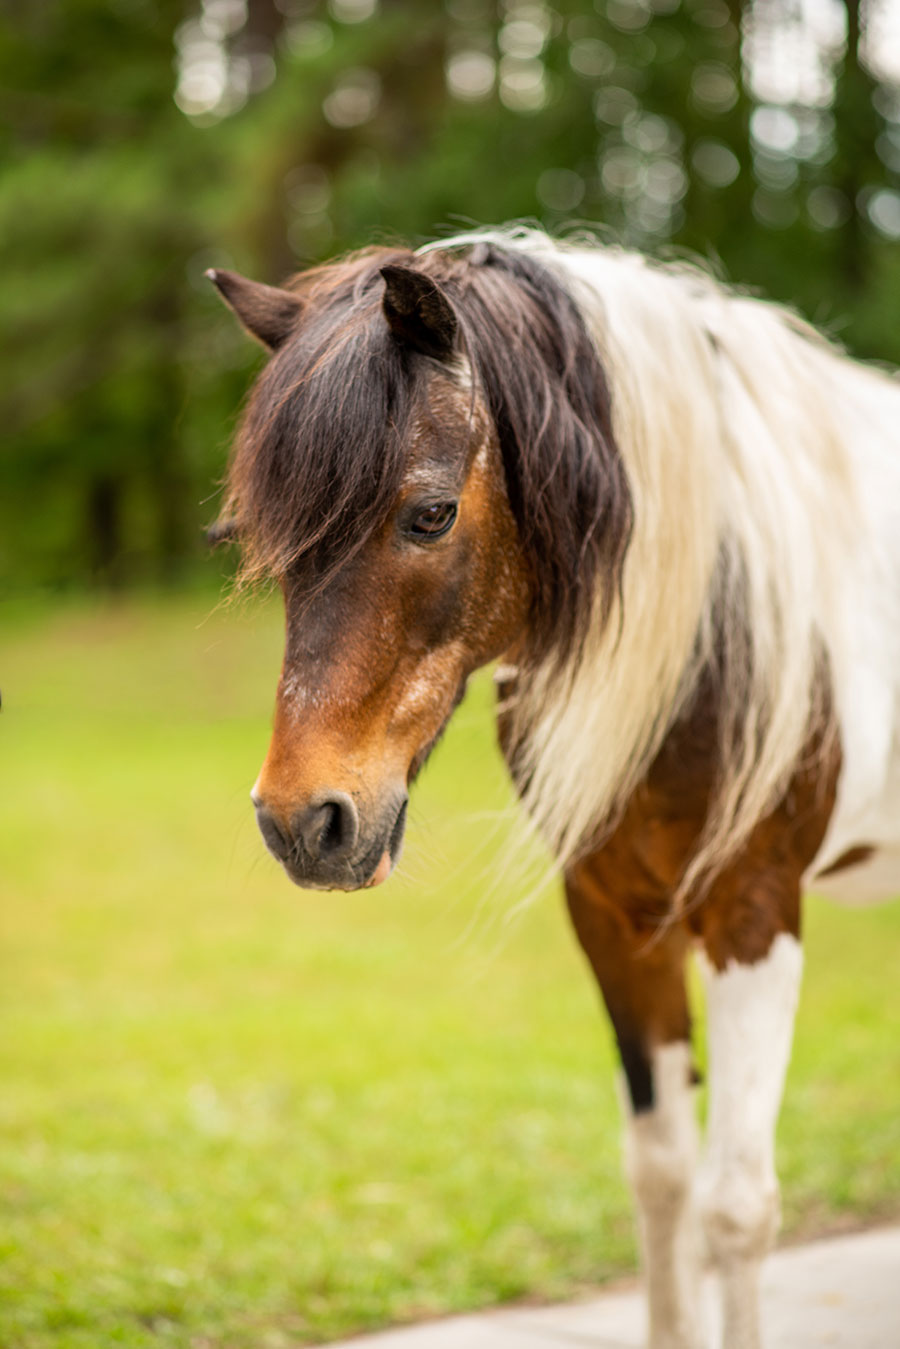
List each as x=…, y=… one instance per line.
x=237, y=1114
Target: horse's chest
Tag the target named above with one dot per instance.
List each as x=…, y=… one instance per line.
x=643, y=859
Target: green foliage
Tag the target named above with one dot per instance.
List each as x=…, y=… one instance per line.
x=144, y=140
x=235, y=1114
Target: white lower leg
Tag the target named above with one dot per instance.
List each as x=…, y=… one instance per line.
x=750, y=1014
x=660, y=1158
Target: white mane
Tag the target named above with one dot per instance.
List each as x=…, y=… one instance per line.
x=765, y=471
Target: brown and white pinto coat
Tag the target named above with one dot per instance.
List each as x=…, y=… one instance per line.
x=646, y=498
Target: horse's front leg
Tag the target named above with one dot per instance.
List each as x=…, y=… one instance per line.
x=752, y=975
x=642, y=982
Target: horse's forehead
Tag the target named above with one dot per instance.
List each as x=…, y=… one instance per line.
x=446, y=430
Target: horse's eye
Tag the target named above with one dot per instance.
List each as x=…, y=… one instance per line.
x=433, y=521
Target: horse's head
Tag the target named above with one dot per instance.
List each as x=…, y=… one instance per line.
x=372, y=479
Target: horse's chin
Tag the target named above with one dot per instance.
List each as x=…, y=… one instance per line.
x=348, y=885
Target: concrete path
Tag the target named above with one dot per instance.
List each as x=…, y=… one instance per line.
x=838, y=1293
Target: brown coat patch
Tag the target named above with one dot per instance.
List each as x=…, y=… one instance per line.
x=620, y=895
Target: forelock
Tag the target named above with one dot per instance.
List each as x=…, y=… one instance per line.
x=320, y=452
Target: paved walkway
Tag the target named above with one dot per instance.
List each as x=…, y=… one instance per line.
x=838, y=1293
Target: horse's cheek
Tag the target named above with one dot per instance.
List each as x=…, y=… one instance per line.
x=475, y=600
x=500, y=594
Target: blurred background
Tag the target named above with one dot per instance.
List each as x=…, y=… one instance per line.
x=145, y=140
x=233, y=1115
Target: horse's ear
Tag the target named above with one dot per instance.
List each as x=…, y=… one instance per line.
x=269, y=314
x=418, y=312
x=221, y=531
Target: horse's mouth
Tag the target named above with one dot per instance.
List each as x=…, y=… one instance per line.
x=391, y=854
x=382, y=871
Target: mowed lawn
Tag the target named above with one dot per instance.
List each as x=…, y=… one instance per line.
x=235, y=1114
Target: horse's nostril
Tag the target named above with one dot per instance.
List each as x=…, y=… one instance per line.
x=330, y=828
x=275, y=838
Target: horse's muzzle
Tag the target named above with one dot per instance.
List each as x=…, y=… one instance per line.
x=323, y=844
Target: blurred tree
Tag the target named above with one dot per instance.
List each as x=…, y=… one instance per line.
x=98, y=223
x=144, y=140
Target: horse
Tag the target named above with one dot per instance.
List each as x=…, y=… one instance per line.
x=669, y=512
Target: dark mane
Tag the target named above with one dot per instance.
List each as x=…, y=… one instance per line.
x=545, y=388
x=322, y=448
x=320, y=453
